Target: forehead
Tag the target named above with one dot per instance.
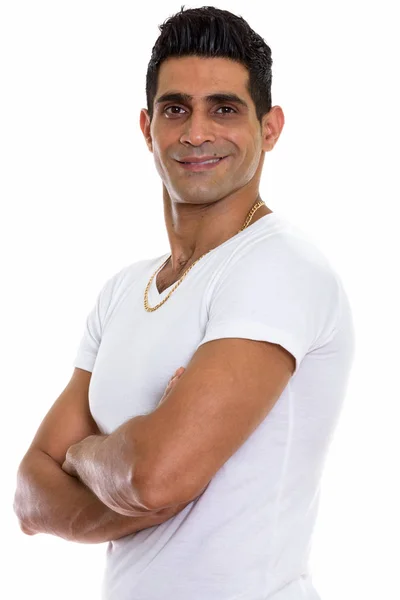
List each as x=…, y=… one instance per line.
x=199, y=76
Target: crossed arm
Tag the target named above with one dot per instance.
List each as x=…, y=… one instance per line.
x=50, y=501
x=169, y=456
x=160, y=462
x=104, y=463
x=55, y=496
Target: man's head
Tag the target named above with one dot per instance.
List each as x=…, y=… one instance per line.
x=212, y=32
x=208, y=89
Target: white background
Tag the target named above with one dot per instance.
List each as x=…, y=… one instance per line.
x=80, y=199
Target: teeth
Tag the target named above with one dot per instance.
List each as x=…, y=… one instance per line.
x=205, y=162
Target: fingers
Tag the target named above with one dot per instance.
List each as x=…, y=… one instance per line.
x=177, y=373
x=174, y=378
x=171, y=383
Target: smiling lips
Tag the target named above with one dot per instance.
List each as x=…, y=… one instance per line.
x=193, y=163
x=200, y=162
x=198, y=159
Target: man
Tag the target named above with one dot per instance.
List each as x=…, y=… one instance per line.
x=208, y=491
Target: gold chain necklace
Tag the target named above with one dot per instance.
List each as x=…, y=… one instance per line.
x=146, y=302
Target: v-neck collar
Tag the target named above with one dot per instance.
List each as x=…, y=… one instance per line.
x=155, y=297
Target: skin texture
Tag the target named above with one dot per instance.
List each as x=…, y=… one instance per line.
x=204, y=209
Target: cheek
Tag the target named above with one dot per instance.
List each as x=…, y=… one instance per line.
x=249, y=152
x=158, y=162
x=163, y=164
x=248, y=159
x=158, y=153
x=254, y=150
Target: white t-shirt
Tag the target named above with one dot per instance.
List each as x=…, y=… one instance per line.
x=248, y=536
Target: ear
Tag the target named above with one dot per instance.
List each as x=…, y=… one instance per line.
x=145, y=127
x=272, y=125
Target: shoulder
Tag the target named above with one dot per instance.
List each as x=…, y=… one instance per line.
x=280, y=280
x=282, y=253
x=116, y=286
x=128, y=274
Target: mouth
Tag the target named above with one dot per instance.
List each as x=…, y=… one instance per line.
x=202, y=166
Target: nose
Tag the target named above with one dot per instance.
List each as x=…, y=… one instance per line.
x=198, y=129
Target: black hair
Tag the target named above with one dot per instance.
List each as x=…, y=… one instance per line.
x=212, y=32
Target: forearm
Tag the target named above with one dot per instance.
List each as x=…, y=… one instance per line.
x=106, y=464
x=48, y=500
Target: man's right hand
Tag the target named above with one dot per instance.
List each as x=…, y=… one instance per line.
x=174, y=379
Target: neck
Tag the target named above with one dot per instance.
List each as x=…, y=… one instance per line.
x=193, y=230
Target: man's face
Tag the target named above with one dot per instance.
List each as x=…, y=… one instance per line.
x=184, y=128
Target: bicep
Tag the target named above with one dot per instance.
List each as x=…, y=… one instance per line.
x=68, y=421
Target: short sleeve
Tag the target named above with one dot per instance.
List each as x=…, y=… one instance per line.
x=279, y=291
x=95, y=322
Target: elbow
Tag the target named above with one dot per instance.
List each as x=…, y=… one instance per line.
x=25, y=505
x=152, y=496
x=143, y=497
x=20, y=510
x=26, y=529
x=154, y=489
x=156, y=498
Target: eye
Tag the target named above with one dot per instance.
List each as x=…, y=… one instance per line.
x=168, y=108
x=173, y=113
x=229, y=108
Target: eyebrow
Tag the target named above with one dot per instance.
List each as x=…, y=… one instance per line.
x=210, y=99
